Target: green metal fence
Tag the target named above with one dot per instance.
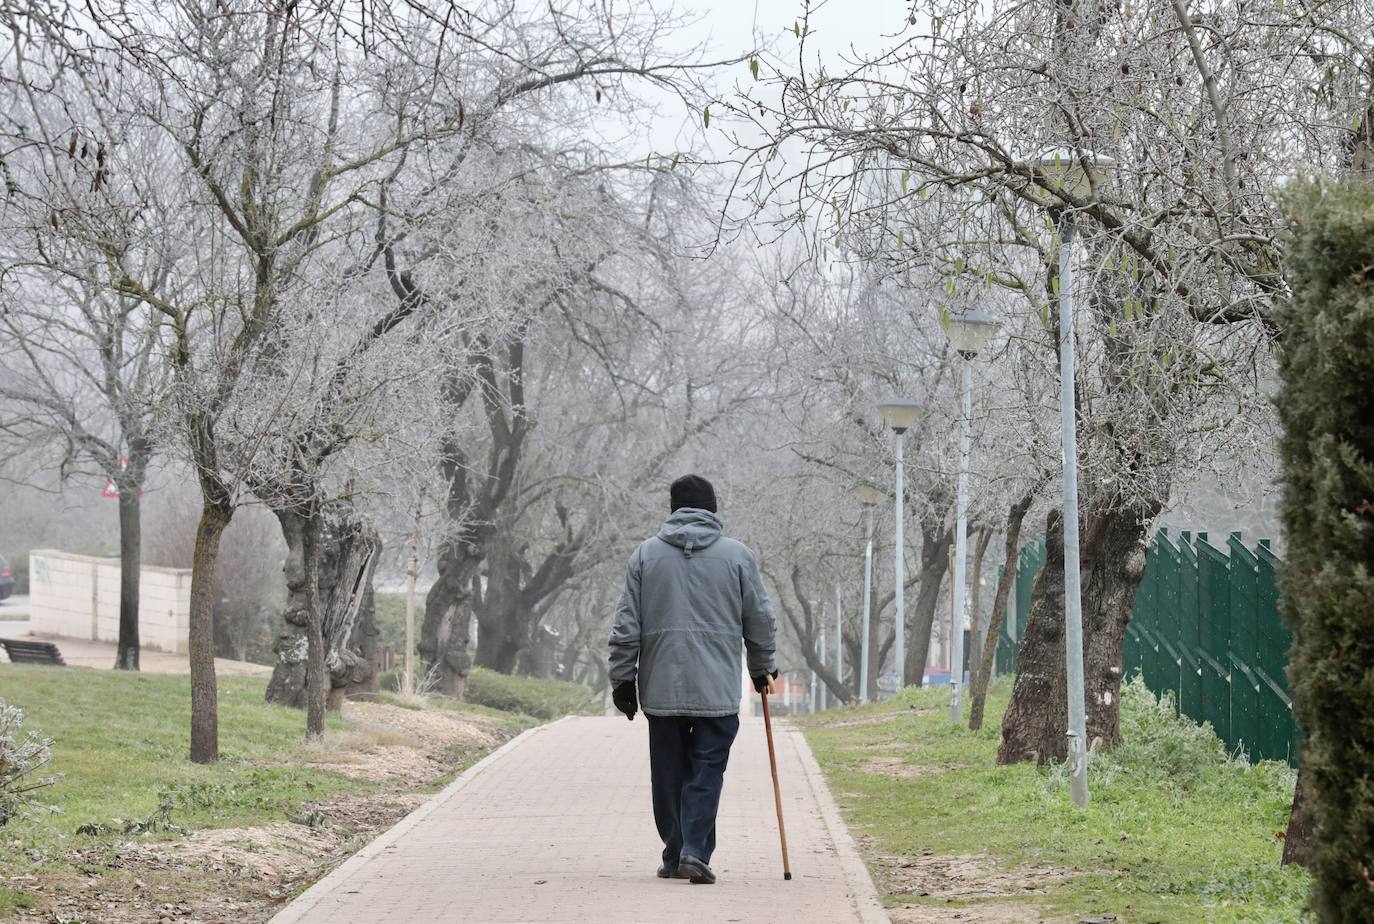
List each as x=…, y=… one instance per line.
x=1206, y=628
x=1018, y=606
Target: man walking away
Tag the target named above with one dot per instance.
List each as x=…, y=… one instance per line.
x=690, y=596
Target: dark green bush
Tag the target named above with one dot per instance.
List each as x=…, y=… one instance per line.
x=543, y=699
x=1326, y=405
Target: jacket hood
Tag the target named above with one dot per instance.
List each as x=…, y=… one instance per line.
x=691, y=529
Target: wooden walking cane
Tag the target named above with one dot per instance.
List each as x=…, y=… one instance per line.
x=777, y=792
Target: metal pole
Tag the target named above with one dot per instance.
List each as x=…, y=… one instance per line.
x=868, y=606
x=823, y=684
x=956, y=660
x=900, y=601
x=1073, y=612
x=839, y=635
x=812, y=702
x=412, y=571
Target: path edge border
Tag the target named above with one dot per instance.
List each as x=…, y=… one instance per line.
x=862, y=889
x=322, y=887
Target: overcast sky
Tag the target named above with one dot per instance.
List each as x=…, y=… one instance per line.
x=728, y=28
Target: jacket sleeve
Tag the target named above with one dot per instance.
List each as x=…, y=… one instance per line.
x=624, y=660
x=759, y=624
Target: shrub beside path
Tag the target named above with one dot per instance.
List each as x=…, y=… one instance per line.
x=556, y=826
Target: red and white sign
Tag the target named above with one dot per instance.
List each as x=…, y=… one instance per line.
x=111, y=489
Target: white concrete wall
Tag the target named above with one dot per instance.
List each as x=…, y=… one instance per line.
x=77, y=596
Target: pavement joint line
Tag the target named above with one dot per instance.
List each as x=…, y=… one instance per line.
x=862, y=891
x=340, y=875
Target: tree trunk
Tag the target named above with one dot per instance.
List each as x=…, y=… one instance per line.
x=1010, y=554
x=1301, y=839
x=201, y=634
x=130, y=565
x=1036, y=719
x=366, y=641
x=344, y=546
x=935, y=543
x=1112, y=559
x=540, y=657
x=444, y=630
x=316, y=672
x=975, y=609
x=1115, y=552
x=292, y=648
x=496, y=649
x=807, y=635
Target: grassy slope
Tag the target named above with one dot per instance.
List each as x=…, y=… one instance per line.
x=121, y=739
x=1175, y=831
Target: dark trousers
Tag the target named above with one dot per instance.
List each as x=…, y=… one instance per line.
x=687, y=757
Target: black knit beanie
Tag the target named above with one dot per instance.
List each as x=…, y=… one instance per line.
x=693, y=491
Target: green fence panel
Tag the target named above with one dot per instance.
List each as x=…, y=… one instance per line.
x=1004, y=660
x=1029, y=563
x=1214, y=634
x=1205, y=627
x=1147, y=609
x=1190, y=668
x=1278, y=733
x=1166, y=618
x=1244, y=648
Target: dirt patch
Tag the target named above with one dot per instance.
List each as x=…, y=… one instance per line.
x=391, y=744
x=961, y=878
x=999, y=913
x=242, y=875
x=939, y=880
x=898, y=768
x=877, y=719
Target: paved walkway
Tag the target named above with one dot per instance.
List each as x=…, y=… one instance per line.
x=556, y=827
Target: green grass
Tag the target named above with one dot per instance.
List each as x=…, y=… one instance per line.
x=1175, y=832
x=120, y=739
x=543, y=699
x=120, y=743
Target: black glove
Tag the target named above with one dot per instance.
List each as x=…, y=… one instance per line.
x=625, y=699
x=761, y=681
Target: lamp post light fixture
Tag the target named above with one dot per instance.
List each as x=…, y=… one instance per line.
x=1075, y=173
x=968, y=334
x=900, y=414
x=869, y=497
x=839, y=636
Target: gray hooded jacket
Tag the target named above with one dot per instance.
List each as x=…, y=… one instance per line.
x=690, y=596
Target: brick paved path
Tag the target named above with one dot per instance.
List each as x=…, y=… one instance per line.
x=556, y=827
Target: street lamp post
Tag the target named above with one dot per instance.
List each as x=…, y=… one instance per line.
x=839, y=635
x=968, y=334
x=823, y=683
x=1074, y=173
x=900, y=414
x=869, y=497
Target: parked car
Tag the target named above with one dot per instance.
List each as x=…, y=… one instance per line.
x=6, y=579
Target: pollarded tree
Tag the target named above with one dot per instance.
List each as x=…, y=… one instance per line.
x=926, y=155
x=260, y=169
